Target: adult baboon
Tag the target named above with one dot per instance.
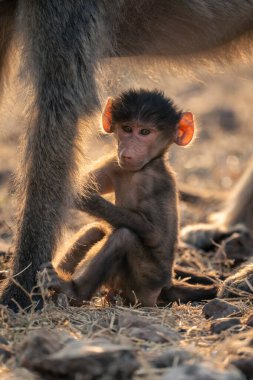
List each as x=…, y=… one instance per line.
x=61, y=43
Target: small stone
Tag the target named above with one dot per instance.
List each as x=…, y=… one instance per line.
x=77, y=357
x=172, y=356
x=202, y=372
x=141, y=328
x=93, y=360
x=217, y=308
x=39, y=345
x=223, y=324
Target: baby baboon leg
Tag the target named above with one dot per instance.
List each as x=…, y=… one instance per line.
x=98, y=266
x=82, y=242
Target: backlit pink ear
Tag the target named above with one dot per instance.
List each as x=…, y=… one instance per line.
x=185, y=129
x=107, y=116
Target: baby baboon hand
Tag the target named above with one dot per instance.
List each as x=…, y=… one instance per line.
x=89, y=203
x=48, y=278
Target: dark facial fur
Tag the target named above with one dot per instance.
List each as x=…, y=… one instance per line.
x=148, y=107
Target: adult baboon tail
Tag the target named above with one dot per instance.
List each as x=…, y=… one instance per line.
x=183, y=292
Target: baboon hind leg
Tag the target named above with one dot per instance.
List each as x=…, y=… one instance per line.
x=60, y=61
x=237, y=216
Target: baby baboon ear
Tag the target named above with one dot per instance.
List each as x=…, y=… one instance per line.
x=185, y=129
x=107, y=116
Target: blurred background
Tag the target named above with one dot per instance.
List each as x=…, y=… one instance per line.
x=221, y=103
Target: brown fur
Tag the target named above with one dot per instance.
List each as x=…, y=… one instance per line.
x=61, y=45
x=137, y=255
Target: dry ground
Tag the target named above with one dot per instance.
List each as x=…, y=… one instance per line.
x=222, y=105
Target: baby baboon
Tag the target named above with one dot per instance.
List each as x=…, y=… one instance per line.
x=136, y=252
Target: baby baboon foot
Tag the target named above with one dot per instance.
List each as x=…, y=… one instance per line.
x=111, y=296
x=48, y=278
x=240, y=282
x=204, y=236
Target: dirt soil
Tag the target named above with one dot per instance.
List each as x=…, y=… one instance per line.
x=177, y=341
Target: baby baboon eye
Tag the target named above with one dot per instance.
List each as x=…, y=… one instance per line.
x=127, y=128
x=145, y=132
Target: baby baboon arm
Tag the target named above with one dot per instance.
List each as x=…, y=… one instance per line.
x=102, y=179
x=99, y=180
x=117, y=216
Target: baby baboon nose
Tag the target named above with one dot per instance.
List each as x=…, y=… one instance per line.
x=126, y=157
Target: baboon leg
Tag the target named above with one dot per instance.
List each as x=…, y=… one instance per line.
x=7, y=22
x=82, y=242
x=205, y=236
x=239, y=208
x=237, y=216
x=101, y=263
x=108, y=263
x=58, y=36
